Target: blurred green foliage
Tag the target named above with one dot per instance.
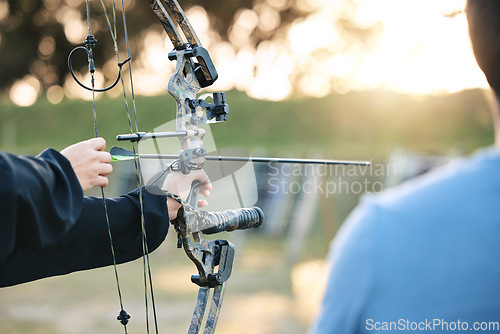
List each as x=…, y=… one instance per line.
x=34, y=34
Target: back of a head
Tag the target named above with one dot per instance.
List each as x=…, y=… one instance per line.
x=484, y=29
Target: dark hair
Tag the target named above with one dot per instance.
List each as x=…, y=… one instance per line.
x=484, y=29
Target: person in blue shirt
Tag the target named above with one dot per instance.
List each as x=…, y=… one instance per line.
x=424, y=257
x=48, y=227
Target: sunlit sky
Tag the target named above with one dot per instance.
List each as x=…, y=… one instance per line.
x=422, y=49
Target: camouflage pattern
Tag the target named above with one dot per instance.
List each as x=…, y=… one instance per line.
x=183, y=86
x=167, y=23
x=215, y=308
x=201, y=251
x=232, y=219
x=188, y=31
x=183, y=22
x=199, y=310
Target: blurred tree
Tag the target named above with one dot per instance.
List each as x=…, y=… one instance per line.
x=37, y=35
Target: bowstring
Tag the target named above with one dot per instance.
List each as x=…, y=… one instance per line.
x=103, y=195
x=147, y=275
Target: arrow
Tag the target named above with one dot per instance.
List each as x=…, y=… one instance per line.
x=120, y=154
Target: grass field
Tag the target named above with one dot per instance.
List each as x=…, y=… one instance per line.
x=264, y=295
x=360, y=125
x=267, y=293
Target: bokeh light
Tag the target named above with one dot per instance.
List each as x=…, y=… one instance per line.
x=417, y=48
x=55, y=94
x=25, y=92
x=47, y=46
x=4, y=10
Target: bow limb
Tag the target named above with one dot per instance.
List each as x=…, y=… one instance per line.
x=183, y=22
x=166, y=22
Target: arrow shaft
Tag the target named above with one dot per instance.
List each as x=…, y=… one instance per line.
x=261, y=159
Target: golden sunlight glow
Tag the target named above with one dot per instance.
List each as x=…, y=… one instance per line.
x=272, y=69
x=74, y=3
x=314, y=33
x=421, y=47
x=201, y=24
x=52, y=4
x=225, y=55
x=199, y=19
x=4, y=10
x=47, y=46
x=73, y=90
x=269, y=18
x=75, y=28
x=55, y=94
x=154, y=68
x=24, y=92
x=422, y=51
x=245, y=22
x=279, y=4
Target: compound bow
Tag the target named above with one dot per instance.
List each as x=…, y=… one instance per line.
x=194, y=70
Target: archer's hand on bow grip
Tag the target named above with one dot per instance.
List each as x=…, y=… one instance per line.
x=186, y=187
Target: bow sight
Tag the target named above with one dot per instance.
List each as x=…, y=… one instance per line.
x=216, y=111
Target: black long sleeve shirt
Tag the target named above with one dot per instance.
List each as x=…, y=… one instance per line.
x=49, y=228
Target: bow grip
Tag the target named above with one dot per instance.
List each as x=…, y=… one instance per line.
x=231, y=220
x=192, y=198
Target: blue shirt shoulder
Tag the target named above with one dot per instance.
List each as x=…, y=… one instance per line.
x=418, y=252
